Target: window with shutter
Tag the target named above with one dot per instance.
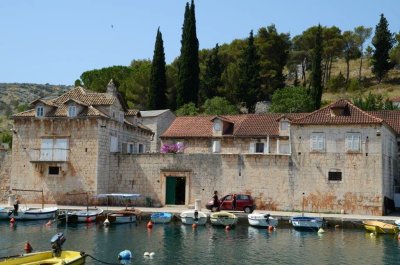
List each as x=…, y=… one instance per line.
x=353, y=142
x=317, y=142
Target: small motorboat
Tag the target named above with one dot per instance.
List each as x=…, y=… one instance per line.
x=223, y=218
x=190, y=217
x=161, y=217
x=378, y=227
x=262, y=220
x=34, y=214
x=306, y=223
x=80, y=216
x=125, y=216
x=397, y=222
x=5, y=213
x=57, y=256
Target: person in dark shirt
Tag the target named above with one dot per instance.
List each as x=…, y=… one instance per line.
x=216, y=202
x=234, y=202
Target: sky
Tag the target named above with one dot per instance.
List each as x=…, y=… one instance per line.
x=55, y=41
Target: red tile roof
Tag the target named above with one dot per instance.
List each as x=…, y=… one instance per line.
x=391, y=117
x=351, y=115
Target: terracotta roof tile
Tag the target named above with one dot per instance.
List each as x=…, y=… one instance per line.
x=351, y=115
x=131, y=112
x=391, y=117
x=85, y=96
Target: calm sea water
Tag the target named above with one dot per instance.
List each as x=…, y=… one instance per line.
x=175, y=243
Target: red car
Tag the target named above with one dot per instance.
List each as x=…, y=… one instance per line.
x=244, y=203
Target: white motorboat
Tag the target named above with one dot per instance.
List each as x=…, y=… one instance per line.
x=223, y=218
x=161, y=217
x=262, y=220
x=190, y=217
x=5, y=212
x=34, y=214
x=306, y=223
x=80, y=216
x=397, y=222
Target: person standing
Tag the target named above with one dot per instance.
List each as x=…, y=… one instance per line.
x=234, y=202
x=16, y=206
x=216, y=202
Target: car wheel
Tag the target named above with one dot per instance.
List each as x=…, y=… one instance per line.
x=247, y=209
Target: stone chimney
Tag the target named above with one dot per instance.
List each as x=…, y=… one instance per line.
x=111, y=89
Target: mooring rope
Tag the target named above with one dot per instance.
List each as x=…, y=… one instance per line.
x=101, y=261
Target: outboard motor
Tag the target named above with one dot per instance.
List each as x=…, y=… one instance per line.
x=56, y=242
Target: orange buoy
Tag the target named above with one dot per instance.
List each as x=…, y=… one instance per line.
x=88, y=219
x=228, y=227
x=49, y=223
x=28, y=247
x=270, y=228
x=194, y=225
x=150, y=225
x=12, y=220
x=398, y=237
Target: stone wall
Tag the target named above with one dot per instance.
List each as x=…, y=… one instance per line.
x=5, y=171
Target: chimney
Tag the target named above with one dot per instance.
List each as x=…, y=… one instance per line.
x=111, y=89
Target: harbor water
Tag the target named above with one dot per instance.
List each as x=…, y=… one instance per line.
x=175, y=243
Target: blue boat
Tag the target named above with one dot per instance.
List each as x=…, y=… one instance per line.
x=306, y=223
x=161, y=217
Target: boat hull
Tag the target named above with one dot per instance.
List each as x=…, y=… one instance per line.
x=161, y=218
x=5, y=213
x=304, y=223
x=189, y=218
x=223, y=219
x=83, y=216
x=117, y=218
x=380, y=227
x=67, y=257
x=261, y=220
x=35, y=214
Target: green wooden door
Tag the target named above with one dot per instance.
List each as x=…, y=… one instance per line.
x=171, y=188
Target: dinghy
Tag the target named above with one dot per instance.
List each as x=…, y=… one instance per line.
x=190, y=217
x=80, y=216
x=378, y=227
x=262, y=220
x=34, y=214
x=223, y=218
x=306, y=223
x=161, y=217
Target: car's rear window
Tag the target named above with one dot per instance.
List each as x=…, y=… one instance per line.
x=243, y=197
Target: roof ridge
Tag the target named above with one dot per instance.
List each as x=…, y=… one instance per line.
x=364, y=112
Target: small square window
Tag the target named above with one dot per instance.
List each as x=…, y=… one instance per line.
x=335, y=176
x=54, y=170
x=39, y=111
x=259, y=147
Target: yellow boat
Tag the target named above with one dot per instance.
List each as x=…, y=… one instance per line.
x=56, y=256
x=378, y=227
x=47, y=257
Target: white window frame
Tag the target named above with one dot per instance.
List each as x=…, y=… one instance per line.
x=216, y=146
x=40, y=111
x=353, y=142
x=71, y=111
x=131, y=148
x=263, y=147
x=114, y=144
x=317, y=142
x=141, y=150
x=282, y=127
x=284, y=147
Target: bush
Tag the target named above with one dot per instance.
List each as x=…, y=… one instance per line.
x=336, y=83
x=219, y=106
x=354, y=85
x=188, y=109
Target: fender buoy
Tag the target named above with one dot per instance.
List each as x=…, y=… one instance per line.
x=28, y=247
x=194, y=226
x=49, y=223
x=88, y=219
x=125, y=255
x=270, y=228
x=12, y=220
x=228, y=227
x=106, y=222
x=150, y=225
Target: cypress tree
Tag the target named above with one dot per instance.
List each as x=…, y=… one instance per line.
x=383, y=41
x=316, y=73
x=249, y=80
x=158, y=80
x=212, y=76
x=188, y=68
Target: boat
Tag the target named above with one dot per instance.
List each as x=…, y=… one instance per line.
x=34, y=214
x=56, y=256
x=190, y=217
x=223, y=218
x=262, y=220
x=161, y=217
x=5, y=213
x=378, y=227
x=306, y=223
x=80, y=216
x=397, y=222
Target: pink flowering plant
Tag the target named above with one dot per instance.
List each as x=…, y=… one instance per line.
x=172, y=148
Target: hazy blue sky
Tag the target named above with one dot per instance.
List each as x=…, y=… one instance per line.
x=54, y=41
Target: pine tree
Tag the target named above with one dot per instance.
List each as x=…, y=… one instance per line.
x=249, y=80
x=383, y=41
x=316, y=74
x=212, y=76
x=158, y=80
x=188, y=67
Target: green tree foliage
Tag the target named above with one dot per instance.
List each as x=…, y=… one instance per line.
x=249, y=75
x=98, y=79
x=382, y=41
x=6, y=137
x=77, y=83
x=219, y=106
x=350, y=50
x=273, y=55
x=158, y=80
x=188, y=67
x=212, y=77
x=188, y=109
x=395, y=52
x=291, y=99
x=362, y=34
x=336, y=83
x=332, y=48
x=374, y=102
x=316, y=75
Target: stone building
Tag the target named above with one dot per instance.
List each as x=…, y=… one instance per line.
x=64, y=145
x=158, y=121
